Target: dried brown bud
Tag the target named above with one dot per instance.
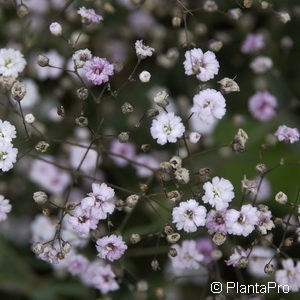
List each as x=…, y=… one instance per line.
x=168, y=230
x=82, y=93
x=172, y=252
x=82, y=121
x=42, y=146
x=176, y=21
x=219, y=238
x=173, y=238
x=269, y=269
x=145, y=147
x=123, y=137
x=204, y=175
x=228, y=85
x=18, y=90
x=281, y=198
x=60, y=111
x=175, y=162
x=248, y=3
x=261, y=168
x=155, y=265
x=174, y=196
x=127, y=108
x=152, y=112
x=22, y=10
x=40, y=197
x=6, y=83
x=135, y=238
x=239, y=141
x=288, y=242
x=132, y=200
x=182, y=175
x=243, y=262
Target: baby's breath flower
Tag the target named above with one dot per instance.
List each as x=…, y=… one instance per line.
x=144, y=76
x=40, y=197
x=55, y=28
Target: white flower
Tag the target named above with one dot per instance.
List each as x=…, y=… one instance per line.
x=218, y=193
x=209, y=105
x=143, y=51
x=5, y=208
x=265, y=222
x=7, y=131
x=189, y=216
x=12, y=62
x=290, y=275
x=100, y=202
x=8, y=156
x=204, y=65
x=261, y=64
x=242, y=222
x=29, y=118
x=167, y=128
x=237, y=254
x=145, y=76
x=55, y=29
x=80, y=57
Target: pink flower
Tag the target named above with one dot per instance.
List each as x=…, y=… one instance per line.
x=205, y=246
x=188, y=256
x=253, y=43
x=100, y=276
x=215, y=221
x=100, y=202
x=82, y=221
x=189, y=216
x=77, y=263
x=238, y=253
x=204, y=65
x=111, y=247
x=97, y=70
x=242, y=222
x=262, y=106
x=146, y=160
x=88, y=15
x=5, y=208
x=126, y=150
x=287, y=134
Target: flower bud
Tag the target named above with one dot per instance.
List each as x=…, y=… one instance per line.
x=175, y=162
x=284, y=17
x=135, y=238
x=281, y=198
x=43, y=61
x=172, y=252
x=204, y=175
x=155, y=265
x=228, y=85
x=174, y=196
x=55, y=28
x=248, y=3
x=168, y=230
x=176, y=21
x=161, y=99
x=152, y=112
x=40, y=197
x=22, y=10
x=67, y=247
x=210, y=6
x=29, y=118
x=234, y=13
x=173, y=238
x=182, y=175
x=239, y=141
x=194, y=137
x=261, y=168
x=127, y=108
x=145, y=147
x=219, y=238
x=269, y=269
x=38, y=248
x=82, y=121
x=18, y=90
x=82, y=93
x=42, y=146
x=123, y=137
x=132, y=200
x=144, y=76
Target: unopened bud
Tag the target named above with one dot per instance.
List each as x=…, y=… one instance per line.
x=210, y=6
x=18, y=90
x=281, y=198
x=152, y=112
x=127, y=108
x=219, y=238
x=22, y=10
x=175, y=162
x=261, y=168
x=82, y=93
x=43, y=61
x=174, y=196
x=155, y=265
x=145, y=147
x=172, y=252
x=82, y=121
x=160, y=98
x=182, y=175
x=173, y=238
x=135, y=238
x=248, y=3
x=40, y=197
x=239, y=141
x=176, y=21
x=269, y=269
x=42, y=146
x=243, y=262
x=123, y=137
x=228, y=85
x=132, y=200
